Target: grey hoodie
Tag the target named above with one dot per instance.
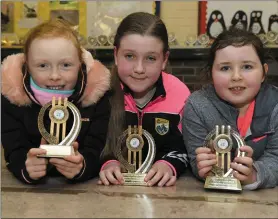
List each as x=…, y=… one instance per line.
x=204, y=110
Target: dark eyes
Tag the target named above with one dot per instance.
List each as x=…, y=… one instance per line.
x=151, y=58
x=42, y=65
x=129, y=56
x=148, y=58
x=225, y=68
x=244, y=67
x=63, y=65
x=66, y=65
x=247, y=67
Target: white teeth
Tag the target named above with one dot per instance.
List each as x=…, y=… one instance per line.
x=237, y=88
x=55, y=88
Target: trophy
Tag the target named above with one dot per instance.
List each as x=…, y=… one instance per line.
x=271, y=37
x=221, y=143
x=102, y=40
x=130, y=145
x=172, y=39
x=263, y=38
x=60, y=144
x=203, y=40
x=190, y=40
x=92, y=41
x=111, y=39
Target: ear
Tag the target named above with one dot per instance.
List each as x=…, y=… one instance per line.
x=265, y=70
x=166, y=56
x=115, y=55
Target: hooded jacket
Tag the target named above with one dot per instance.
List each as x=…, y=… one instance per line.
x=204, y=110
x=20, y=112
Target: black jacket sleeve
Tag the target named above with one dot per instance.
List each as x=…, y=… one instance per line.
x=15, y=141
x=173, y=150
x=94, y=139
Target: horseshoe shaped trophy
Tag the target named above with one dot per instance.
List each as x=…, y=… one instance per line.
x=135, y=166
x=59, y=144
x=220, y=141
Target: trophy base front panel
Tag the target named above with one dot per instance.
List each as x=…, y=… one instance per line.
x=222, y=183
x=58, y=151
x=134, y=179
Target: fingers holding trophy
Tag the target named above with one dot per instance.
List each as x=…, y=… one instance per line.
x=135, y=164
x=225, y=143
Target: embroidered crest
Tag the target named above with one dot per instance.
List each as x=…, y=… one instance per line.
x=161, y=126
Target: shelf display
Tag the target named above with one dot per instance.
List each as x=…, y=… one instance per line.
x=190, y=24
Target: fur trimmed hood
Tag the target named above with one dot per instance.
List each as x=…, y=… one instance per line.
x=98, y=80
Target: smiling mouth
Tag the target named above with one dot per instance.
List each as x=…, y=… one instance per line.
x=60, y=87
x=237, y=88
x=138, y=79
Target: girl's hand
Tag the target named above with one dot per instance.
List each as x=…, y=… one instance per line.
x=243, y=167
x=162, y=174
x=111, y=174
x=205, y=160
x=35, y=166
x=71, y=165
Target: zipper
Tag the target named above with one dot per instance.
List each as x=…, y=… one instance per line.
x=140, y=117
x=141, y=114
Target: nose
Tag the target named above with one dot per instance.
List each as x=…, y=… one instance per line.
x=54, y=74
x=236, y=75
x=139, y=67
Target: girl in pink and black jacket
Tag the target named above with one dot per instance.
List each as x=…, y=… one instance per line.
x=145, y=95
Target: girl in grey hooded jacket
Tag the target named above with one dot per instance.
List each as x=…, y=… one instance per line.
x=239, y=96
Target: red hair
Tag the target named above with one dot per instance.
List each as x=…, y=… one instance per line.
x=52, y=29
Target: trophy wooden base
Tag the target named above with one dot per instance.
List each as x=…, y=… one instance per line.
x=58, y=151
x=222, y=183
x=134, y=179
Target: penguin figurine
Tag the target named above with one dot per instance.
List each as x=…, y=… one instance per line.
x=239, y=20
x=216, y=24
x=273, y=23
x=256, y=25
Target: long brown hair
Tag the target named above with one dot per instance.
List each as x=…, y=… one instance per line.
x=144, y=24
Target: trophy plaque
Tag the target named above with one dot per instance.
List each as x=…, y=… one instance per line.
x=221, y=143
x=136, y=167
x=59, y=143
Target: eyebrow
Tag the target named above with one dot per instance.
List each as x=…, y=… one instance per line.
x=129, y=50
x=228, y=63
